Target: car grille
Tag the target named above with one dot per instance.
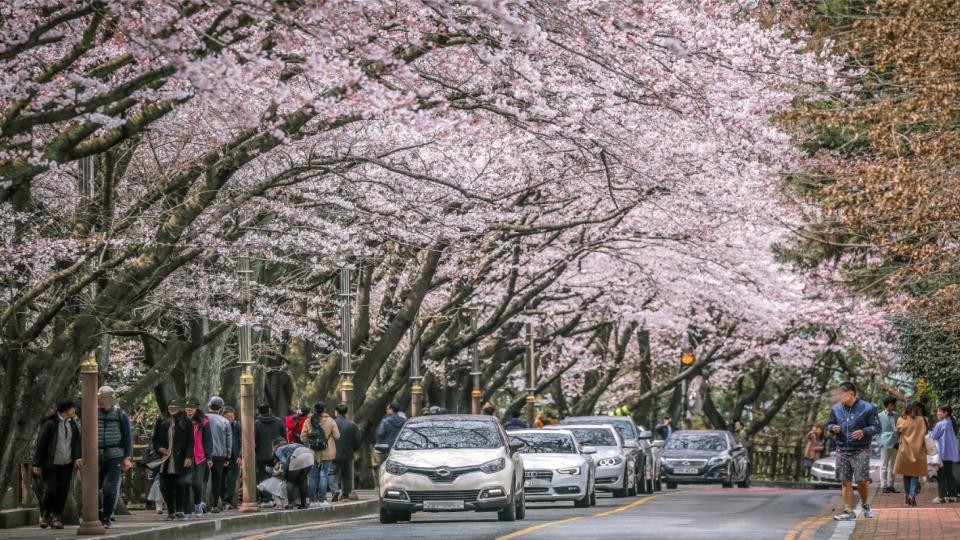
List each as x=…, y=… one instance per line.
x=606, y=479
x=469, y=495
x=686, y=462
x=437, y=475
x=536, y=490
x=541, y=474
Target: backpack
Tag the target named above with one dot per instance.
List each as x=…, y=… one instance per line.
x=317, y=441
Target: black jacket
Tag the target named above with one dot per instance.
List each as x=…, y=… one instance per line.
x=389, y=428
x=182, y=439
x=47, y=442
x=266, y=428
x=349, y=441
x=515, y=423
x=236, y=442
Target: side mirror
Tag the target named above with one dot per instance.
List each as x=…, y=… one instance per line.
x=645, y=435
x=588, y=450
x=382, y=448
x=738, y=447
x=516, y=446
x=631, y=443
x=658, y=443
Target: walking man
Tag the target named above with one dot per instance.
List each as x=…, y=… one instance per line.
x=854, y=422
x=221, y=435
x=235, y=461
x=114, y=450
x=347, y=444
x=57, y=454
x=888, y=442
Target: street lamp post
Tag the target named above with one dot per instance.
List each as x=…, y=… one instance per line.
x=346, y=322
x=475, y=367
x=416, y=390
x=249, y=471
x=687, y=358
x=90, y=524
x=531, y=377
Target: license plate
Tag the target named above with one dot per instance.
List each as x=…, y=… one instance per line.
x=686, y=470
x=536, y=482
x=443, y=505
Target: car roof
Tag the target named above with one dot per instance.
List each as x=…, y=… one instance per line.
x=699, y=432
x=454, y=417
x=596, y=418
x=552, y=430
x=582, y=426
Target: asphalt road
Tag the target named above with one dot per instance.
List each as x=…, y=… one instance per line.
x=687, y=513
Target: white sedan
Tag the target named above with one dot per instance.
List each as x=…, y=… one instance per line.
x=824, y=470
x=556, y=467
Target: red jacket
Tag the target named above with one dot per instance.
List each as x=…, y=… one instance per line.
x=294, y=427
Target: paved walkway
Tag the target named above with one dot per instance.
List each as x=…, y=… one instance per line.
x=896, y=521
x=148, y=520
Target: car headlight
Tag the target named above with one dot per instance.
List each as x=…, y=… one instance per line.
x=393, y=467
x=609, y=462
x=717, y=460
x=569, y=470
x=496, y=465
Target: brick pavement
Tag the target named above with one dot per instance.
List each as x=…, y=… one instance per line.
x=896, y=521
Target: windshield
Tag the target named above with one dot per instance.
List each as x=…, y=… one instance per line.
x=594, y=436
x=623, y=427
x=545, y=443
x=460, y=434
x=706, y=441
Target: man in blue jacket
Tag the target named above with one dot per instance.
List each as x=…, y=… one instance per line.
x=854, y=423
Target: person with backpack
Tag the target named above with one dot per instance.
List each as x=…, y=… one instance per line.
x=295, y=462
x=320, y=434
x=115, y=449
x=58, y=453
x=173, y=437
x=221, y=435
x=202, y=453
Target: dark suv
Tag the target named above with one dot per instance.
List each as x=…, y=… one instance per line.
x=637, y=440
x=704, y=457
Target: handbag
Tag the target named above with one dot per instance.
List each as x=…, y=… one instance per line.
x=932, y=449
x=153, y=459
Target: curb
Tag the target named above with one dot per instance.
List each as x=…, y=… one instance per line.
x=252, y=522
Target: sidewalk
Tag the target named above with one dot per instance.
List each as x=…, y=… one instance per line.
x=148, y=525
x=895, y=520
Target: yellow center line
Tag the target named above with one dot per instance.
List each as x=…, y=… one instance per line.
x=813, y=527
x=792, y=533
x=528, y=530
x=634, y=504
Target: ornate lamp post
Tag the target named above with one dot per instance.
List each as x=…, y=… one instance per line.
x=249, y=471
x=531, y=369
x=90, y=523
x=416, y=390
x=346, y=321
x=475, y=367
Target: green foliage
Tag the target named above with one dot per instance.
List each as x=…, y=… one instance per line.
x=931, y=356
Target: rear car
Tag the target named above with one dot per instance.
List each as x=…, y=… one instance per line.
x=451, y=463
x=704, y=457
x=615, y=471
x=823, y=472
x=556, y=467
x=644, y=455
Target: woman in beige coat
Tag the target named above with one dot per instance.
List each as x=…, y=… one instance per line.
x=319, y=422
x=912, y=456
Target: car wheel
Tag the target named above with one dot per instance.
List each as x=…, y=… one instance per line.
x=404, y=516
x=509, y=513
x=746, y=481
x=671, y=485
x=387, y=517
x=642, y=486
x=522, y=507
x=593, y=498
x=582, y=502
x=632, y=490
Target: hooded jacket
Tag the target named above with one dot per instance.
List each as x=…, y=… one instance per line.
x=266, y=428
x=389, y=428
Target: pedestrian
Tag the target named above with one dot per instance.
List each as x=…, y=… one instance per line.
x=391, y=424
x=888, y=442
x=740, y=433
x=295, y=421
x=320, y=434
x=57, y=454
x=266, y=428
x=945, y=435
x=854, y=422
x=665, y=428
x=114, y=448
x=236, y=459
x=295, y=462
x=488, y=409
x=814, y=448
x=221, y=437
x=538, y=421
x=173, y=437
x=912, y=454
x=515, y=422
x=202, y=451
x=347, y=445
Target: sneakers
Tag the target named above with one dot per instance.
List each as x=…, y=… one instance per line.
x=198, y=510
x=846, y=515
x=180, y=516
x=938, y=500
x=269, y=504
x=107, y=524
x=336, y=496
x=171, y=517
x=44, y=522
x=868, y=512
x=319, y=504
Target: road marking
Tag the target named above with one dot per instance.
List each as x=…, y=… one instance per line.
x=274, y=534
x=813, y=527
x=792, y=533
x=806, y=529
x=528, y=530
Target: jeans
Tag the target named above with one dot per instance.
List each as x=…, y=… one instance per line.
x=297, y=485
x=216, y=481
x=888, y=456
x=198, y=480
x=56, y=487
x=344, y=476
x=319, y=476
x=230, y=484
x=911, y=485
x=111, y=475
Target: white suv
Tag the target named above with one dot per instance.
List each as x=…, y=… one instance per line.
x=451, y=463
